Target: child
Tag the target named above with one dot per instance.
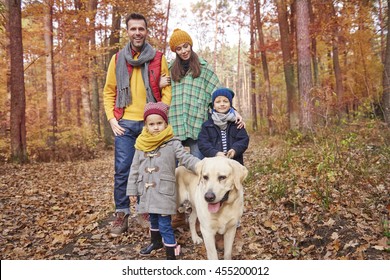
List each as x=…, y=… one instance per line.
x=152, y=176
x=219, y=135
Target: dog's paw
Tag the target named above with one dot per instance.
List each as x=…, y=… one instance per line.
x=197, y=240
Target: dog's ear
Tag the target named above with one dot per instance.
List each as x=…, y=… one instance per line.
x=240, y=173
x=198, y=169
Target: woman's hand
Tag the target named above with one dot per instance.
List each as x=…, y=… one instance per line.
x=239, y=121
x=164, y=81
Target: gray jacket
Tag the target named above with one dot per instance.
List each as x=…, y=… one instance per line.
x=152, y=177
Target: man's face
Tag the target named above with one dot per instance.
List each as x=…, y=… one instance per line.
x=137, y=33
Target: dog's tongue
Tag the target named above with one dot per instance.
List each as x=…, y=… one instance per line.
x=213, y=207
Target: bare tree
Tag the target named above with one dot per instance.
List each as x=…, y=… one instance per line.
x=386, y=73
x=166, y=27
x=113, y=45
x=305, y=82
x=253, y=65
x=313, y=45
x=18, y=98
x=92, y=7
x=264, y=63
x=288, y=65
x=50, y=81
x=336, y=61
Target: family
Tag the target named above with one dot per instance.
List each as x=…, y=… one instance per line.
x=156, y=110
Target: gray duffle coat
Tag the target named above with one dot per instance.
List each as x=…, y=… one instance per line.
x=152, y=177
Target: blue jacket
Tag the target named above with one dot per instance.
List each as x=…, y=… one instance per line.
x=210, y=140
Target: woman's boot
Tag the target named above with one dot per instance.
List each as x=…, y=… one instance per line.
x=156, y=243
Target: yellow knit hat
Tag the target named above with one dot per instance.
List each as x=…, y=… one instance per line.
x=179, y=37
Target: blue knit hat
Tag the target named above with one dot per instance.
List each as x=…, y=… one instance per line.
x=228, y=93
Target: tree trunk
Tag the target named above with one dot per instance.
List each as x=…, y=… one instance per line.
x=288, y=66
x=253, y=66
x=166, y=27
x=265, y=69
x=238, y=84
x=18, y=99
x=336, y=63
x=114, y=42
x=313, y=46
x=50, y=80
x=305, y=83
x=82, y=10
x=92, y=8
x=216, y=38
x=386, y=73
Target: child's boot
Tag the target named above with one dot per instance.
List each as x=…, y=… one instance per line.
x=170, y=253
x=156, y=243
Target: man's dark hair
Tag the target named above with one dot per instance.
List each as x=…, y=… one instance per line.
x=136, y=16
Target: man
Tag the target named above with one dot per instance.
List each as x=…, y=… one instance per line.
x=132, y=80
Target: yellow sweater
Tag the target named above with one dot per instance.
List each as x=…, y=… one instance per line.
x=135, y=111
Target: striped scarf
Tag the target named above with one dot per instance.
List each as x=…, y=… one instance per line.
x=123, y=97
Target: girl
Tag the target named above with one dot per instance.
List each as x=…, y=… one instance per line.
x=152, y=176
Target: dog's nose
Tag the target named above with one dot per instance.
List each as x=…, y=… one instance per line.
x=209, y=196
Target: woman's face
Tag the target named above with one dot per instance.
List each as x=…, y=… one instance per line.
x=184, y=51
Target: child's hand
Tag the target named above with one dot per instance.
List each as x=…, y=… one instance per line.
x=133, y=199
x=231, y=153
x=164, y=81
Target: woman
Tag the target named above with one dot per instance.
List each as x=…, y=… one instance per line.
x=193, y=82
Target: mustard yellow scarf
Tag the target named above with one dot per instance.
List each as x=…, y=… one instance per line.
x=147, y=142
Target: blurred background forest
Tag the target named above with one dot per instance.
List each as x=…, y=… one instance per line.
x=295, y=66
x=311, y=80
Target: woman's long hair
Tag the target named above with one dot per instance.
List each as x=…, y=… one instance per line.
x=178, y=72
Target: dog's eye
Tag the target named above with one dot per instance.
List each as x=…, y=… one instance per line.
x=221, y=178
x=205, y=177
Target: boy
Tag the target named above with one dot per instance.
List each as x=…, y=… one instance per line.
x=220, y=136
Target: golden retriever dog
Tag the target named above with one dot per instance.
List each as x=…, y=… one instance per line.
x=217, y=199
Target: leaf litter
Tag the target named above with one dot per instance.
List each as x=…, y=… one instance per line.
x=63, y=211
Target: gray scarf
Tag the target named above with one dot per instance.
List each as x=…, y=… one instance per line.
x=123, y=97
x=221, y=119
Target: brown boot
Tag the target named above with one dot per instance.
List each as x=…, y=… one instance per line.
x=179, y=220
x=120, y=224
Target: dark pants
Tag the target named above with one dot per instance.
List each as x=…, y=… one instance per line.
x=163, y=224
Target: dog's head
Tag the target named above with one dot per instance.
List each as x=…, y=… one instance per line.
x=220, y=180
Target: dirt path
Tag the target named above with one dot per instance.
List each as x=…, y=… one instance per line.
x=62, y=211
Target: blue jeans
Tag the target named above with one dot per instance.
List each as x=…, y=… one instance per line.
x=124, y=153
x=163, y=224
x=194, y=149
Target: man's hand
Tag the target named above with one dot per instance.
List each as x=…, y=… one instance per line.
x=116, y=128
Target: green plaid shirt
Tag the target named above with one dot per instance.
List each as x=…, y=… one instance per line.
x=190, y=102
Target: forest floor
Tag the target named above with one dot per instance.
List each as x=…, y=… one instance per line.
x=63, y=210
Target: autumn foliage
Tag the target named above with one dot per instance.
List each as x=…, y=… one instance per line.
x=318, y=188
